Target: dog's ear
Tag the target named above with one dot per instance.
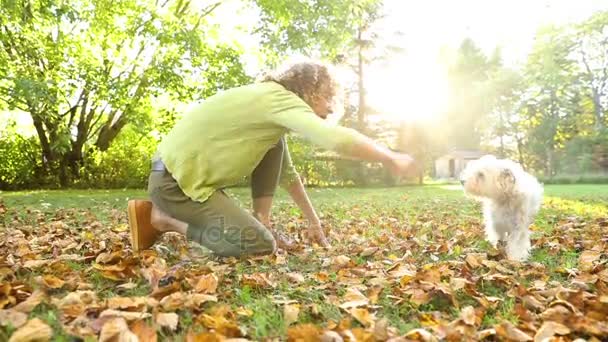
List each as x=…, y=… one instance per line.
x=506, y=180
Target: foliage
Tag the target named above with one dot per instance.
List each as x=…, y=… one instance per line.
x=405, y=262
x=84, y=71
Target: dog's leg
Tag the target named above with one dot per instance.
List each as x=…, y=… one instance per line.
x=491, y=234
x=518, y=244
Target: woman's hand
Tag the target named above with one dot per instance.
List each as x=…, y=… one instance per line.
x=402, y=164
x=316, y=235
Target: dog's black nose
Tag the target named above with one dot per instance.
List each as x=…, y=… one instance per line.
x=462, y=181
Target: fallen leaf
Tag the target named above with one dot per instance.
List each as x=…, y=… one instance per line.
x=363, y=316
x=340, y=261
x=508, y=331
x=420, y=335
x=127, y=315
x=144, y=332
x=31, y=302
x=586, y=260
x=257, y=280
x=32, y=264
x=468, y=315
x=52, y=282
x=354, y=298
x=295, y=277
x=116, y=330
x=330, y=336
x=304, y=333
x=13, y=318
x=475, y=259
x=167, y=320
x=550, y=329
x=369, y=251
x=207, y=284
x=34, y=330
x=290, y=313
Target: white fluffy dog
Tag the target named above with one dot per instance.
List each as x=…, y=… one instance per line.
x=511, y=199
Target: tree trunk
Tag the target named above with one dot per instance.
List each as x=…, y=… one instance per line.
x=108, y=132
x=598, y=110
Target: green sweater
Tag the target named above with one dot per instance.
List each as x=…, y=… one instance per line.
x=223, y=139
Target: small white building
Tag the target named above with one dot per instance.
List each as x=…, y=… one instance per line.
x=451, y=164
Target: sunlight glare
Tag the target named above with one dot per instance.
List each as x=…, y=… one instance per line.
x=410, y=89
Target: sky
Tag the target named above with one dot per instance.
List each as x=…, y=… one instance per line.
x=414, y=85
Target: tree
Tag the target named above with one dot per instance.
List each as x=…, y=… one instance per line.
x=552, y=99
x=468, y=75
x=85, y=70
x=591, y=39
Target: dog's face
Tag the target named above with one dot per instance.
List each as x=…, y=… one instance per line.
x=489, y=177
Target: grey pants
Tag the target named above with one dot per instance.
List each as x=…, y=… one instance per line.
x=219, y=223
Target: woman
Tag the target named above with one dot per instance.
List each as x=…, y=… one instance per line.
x=236, y=133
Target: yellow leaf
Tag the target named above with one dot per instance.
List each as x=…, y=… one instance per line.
x=363, y=316
x=167, y=320
x=33, y=330
x=116, y=330
x=144, y=332
x=52, y=282
x=207, y=284
x=550, y=329
x=12, y=317
x=354, y=298
x=508, y=331
x=290, y=313
x=587, y=259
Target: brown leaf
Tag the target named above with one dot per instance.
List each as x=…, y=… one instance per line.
x=290, y=313
x=369, y=251
x=257, y=280
x=295, y=277
x=353, y=298
x=322, y=277
x=550, y=329
x=204, y=337
x=532, y=303
x=116, y=330
x=468, y=315
x=458, y=283
x=474, y=260
x=167, y=320
x=304, y=333
x=52, y=282
x=34, y=330
x=363, y=316
x=31, y=302
x=32, y=264
x=195, y=300
x=127, y=315
x=420, y=335
x=340, y=261
x=144, y=332
x=13, y=318
x=587, y=259
x=131, y=303
x=508, y=331
x=331, y=336
x=483, y=334
x=207, y=284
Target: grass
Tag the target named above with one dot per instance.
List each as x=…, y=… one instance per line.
x=425, y=226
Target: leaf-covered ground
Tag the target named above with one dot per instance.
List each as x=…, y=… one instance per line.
x=406, y=264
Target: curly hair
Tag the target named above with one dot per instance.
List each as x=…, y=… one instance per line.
x=310, y=80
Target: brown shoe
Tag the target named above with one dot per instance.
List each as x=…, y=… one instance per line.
x=143, y=235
